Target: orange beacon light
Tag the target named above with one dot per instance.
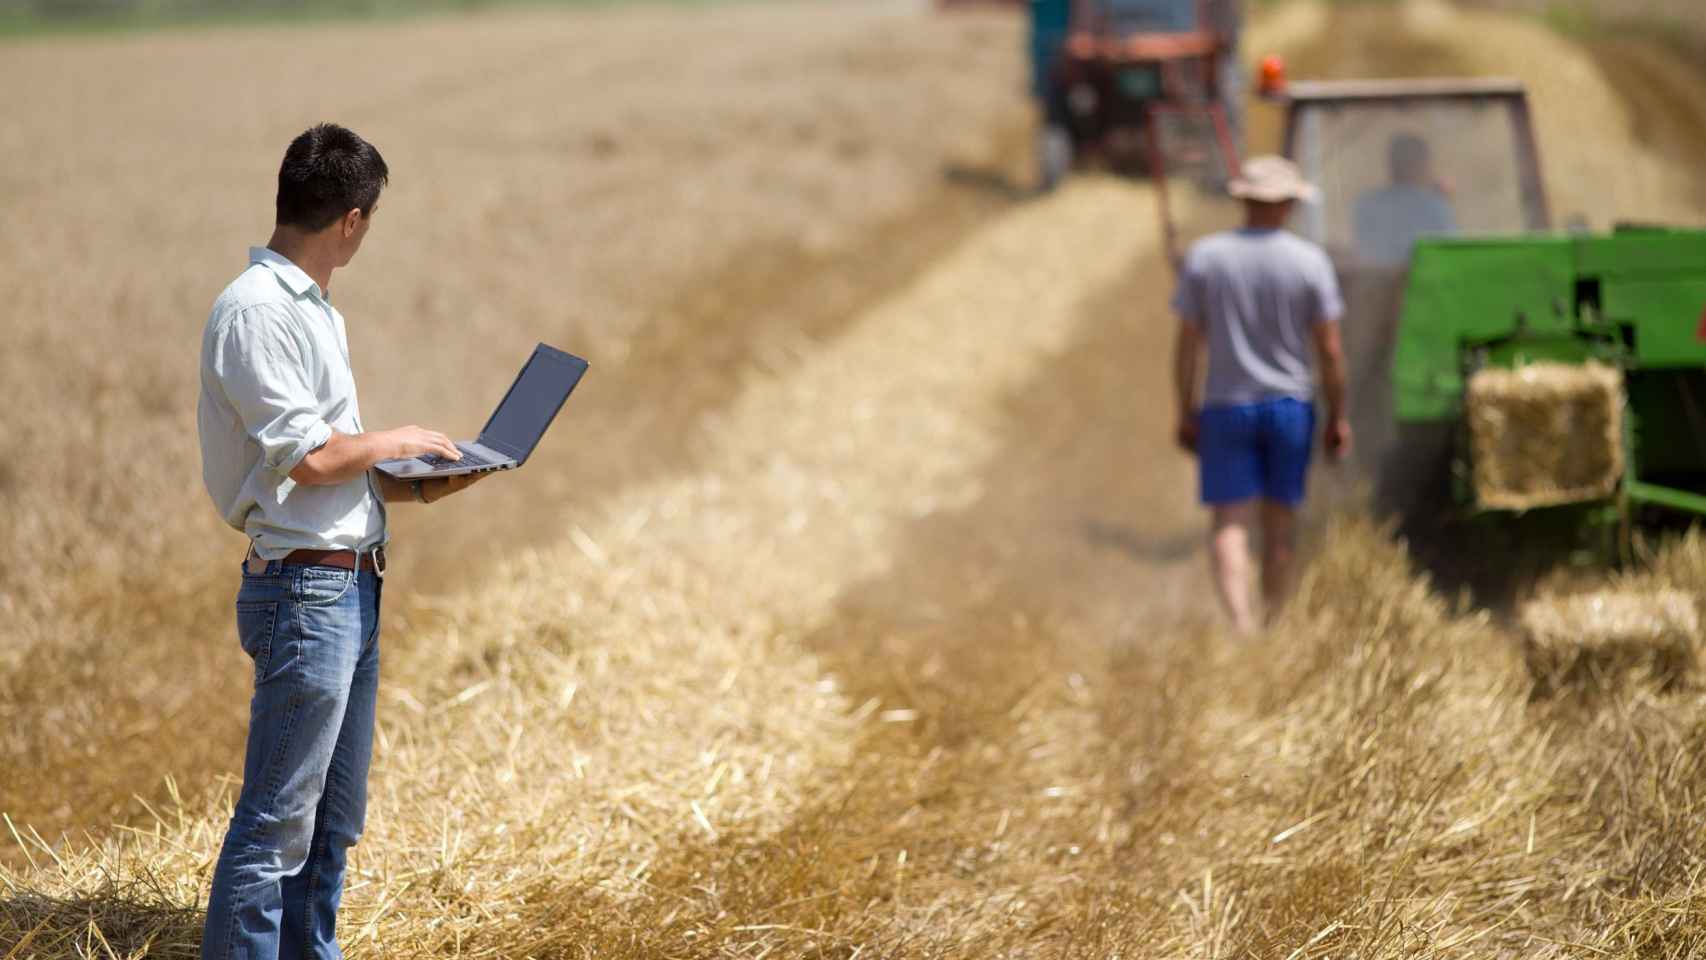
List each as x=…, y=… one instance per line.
x=1273, y=81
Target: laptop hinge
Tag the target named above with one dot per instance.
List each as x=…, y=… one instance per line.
x=504, y=449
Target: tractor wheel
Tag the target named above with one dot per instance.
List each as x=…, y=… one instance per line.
x=1054, y=156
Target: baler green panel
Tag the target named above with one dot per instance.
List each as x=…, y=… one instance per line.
x=1666, y=315
x=1473, y=289
x=1637, y=254
x=1654, y=279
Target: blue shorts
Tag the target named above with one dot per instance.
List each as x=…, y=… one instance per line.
x=1256, y=450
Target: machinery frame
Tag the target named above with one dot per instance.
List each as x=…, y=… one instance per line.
x=1109, y=90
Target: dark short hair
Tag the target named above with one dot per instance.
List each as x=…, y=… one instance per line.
x=327, y=172
x=1409, y=155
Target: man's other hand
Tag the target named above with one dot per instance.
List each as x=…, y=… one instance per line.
x=1186, y=436
x=412, y=441
x=1338, y=439
x=433, y=491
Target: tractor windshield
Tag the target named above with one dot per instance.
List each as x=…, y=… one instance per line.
x=1392, y=170
x=1149, y=16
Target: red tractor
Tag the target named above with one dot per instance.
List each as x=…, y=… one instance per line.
x=1141, y=87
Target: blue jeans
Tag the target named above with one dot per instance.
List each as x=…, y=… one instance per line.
x=313, y=633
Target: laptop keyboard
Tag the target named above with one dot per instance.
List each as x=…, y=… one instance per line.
x=469, y=459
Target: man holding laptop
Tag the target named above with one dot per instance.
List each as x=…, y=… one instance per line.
x=287, y=461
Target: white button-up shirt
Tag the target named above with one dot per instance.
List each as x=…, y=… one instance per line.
x=275, y=383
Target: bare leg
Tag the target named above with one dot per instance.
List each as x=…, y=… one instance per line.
x=1279, y=555
x=1229, y=544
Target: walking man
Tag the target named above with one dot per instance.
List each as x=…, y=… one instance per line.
x=286, y=460
x=1258, y=301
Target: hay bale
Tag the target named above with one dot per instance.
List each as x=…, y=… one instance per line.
x=1611, y=638
x=1545, y=435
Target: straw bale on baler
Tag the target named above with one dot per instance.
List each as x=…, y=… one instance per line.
x=1611, y=638
x=1546, y=434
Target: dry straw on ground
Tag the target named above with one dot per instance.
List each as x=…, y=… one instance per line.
x=1545, y=434
x=1372, y=780
x=893, y=665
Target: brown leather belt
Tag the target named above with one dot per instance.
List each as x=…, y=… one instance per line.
x=342, y=559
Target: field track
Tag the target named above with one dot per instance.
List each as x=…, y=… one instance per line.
x=881, y=630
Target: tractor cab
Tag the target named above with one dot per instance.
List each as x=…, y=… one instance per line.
x=1399, y=160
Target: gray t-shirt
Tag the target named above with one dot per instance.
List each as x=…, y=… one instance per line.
x=1256, y=296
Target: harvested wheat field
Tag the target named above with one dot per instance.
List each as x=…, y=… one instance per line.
x=680, y=233
x=856, y=608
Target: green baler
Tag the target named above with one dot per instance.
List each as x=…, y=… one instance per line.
x=1633, y=299
x=1505, y=289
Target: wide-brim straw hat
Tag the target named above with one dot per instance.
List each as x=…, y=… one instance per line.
x=1272, y=180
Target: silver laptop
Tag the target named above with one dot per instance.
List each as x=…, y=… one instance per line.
x=522, y=417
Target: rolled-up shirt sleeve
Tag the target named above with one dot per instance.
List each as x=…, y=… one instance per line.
x=262, y=365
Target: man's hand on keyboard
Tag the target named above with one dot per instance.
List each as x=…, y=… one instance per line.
x=412, y=441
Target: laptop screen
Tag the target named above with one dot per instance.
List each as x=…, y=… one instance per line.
x=533, y=401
